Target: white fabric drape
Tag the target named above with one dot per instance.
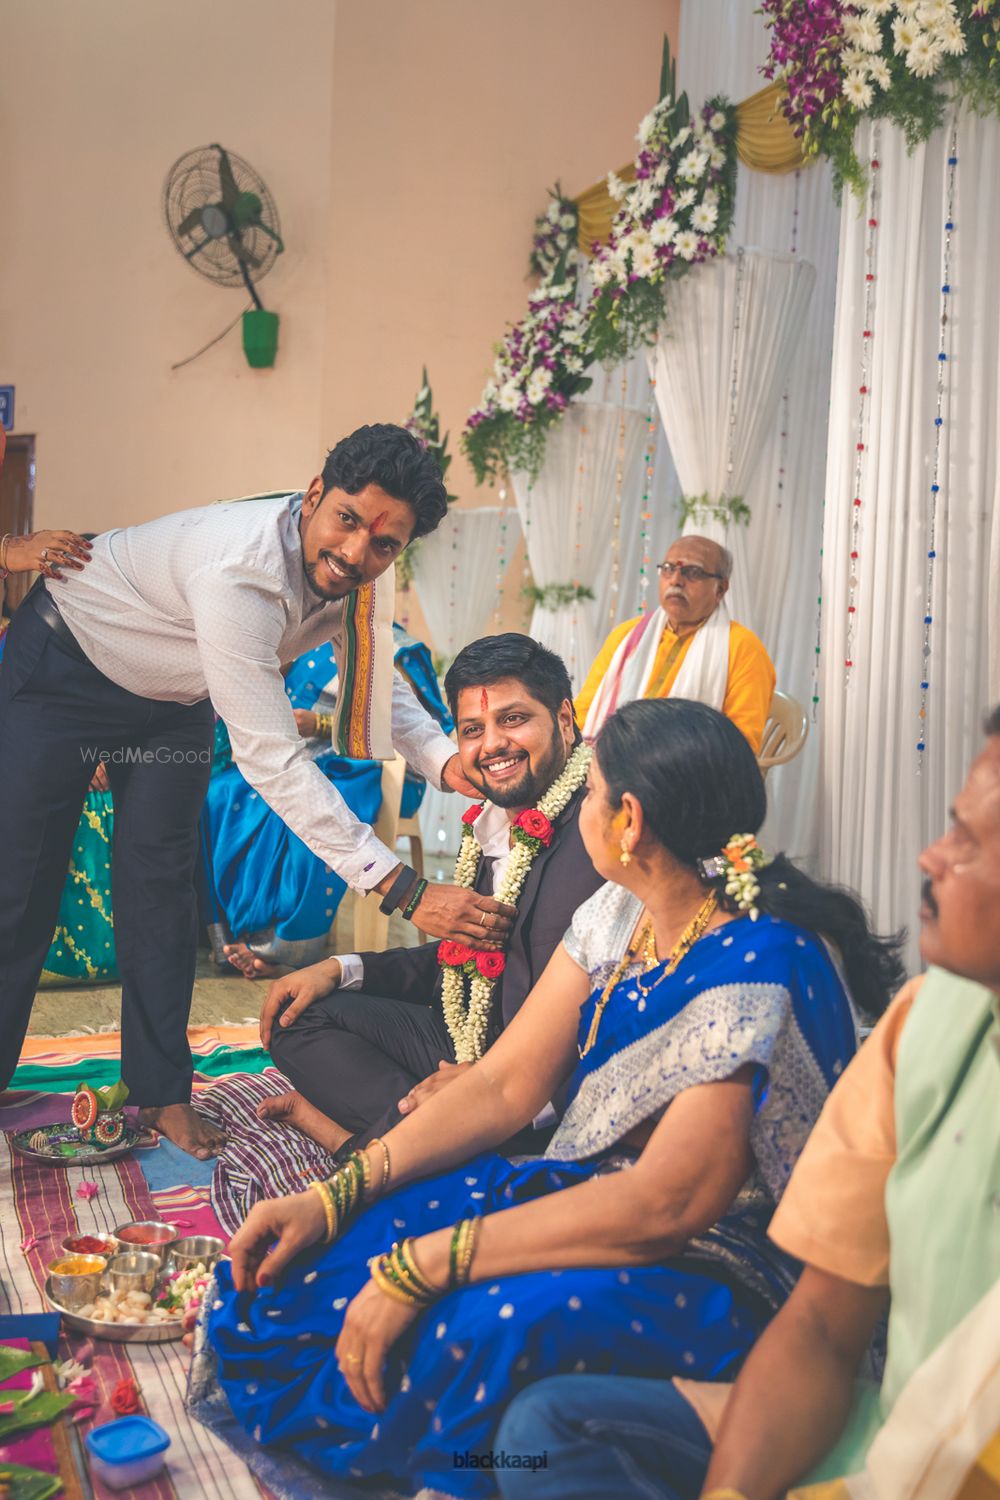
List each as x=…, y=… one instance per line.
x=454, y=574
x=883, y=800
x=567, y=516
x=721, y=362
x=722, y=44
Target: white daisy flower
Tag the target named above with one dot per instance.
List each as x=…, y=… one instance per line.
x=877, y=7
x=538, y=384
x=904, y=34
x=681, y=138
x=567, y=221
x=718, y=120
x=924, y=57
x=644, y=261
x=878, y=71
x=853, y=57
x=705, y=218
x=662, y=231
x=869, y=34
x=686, y=199
x=510, y=396
x=574, y=364
x=693, y=166
x=616, y=188
x=686, y=244
x=952, y=38
x=933, y=13
x=717, y=159
x=600, y=272
x=857, y=91
x=907, y=8
x=646, y=127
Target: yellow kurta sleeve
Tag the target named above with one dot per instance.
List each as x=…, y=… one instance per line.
x=751, y=684
x=602, y=661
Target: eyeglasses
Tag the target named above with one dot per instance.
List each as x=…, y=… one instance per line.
x=690, y=572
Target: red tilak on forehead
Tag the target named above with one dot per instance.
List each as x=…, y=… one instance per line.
x=379, y=522
x=484, y=700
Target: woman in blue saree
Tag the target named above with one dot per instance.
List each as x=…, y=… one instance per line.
x=262, y=883
x=689, y=1048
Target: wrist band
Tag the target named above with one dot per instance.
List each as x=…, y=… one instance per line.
x=398, y=889
x=324, y=726
x=414, y=900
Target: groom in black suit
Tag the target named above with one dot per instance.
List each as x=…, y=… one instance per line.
x=363, y=1037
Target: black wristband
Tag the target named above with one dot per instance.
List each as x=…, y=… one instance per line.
x=397, y=890
x=414, y=900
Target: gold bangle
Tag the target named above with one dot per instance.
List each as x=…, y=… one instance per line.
x=324, y=726
x=384, y=1283
x=408, y=1256
x=377, y=1140
x=366, y=1171
x=4, y=544
x=723, y=1492
x=468, y=1250
x=328, y=1209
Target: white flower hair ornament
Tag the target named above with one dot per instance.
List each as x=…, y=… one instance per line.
x=737, y=864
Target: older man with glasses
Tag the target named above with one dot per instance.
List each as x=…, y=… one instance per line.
x=688, y=648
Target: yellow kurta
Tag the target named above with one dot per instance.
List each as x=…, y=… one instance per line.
x=749, y=687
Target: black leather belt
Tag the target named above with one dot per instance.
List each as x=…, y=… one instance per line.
x=41, y=601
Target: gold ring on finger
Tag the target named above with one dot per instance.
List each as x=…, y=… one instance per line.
x=352, y=1359
x=482, y=919
x=45, y=554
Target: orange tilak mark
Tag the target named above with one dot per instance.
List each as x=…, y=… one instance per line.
x=484, y=701
x=378, y=522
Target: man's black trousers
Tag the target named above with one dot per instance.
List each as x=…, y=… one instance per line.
x=57, y=714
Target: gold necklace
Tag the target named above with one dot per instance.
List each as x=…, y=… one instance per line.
x=645, y=941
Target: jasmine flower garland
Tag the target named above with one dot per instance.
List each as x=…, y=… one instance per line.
x=470, y=974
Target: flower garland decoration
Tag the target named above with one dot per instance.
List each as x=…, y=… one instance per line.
x=539, y=367
x=469, y=973
x=675, y=215
x=555, y=235
x=425, y=425
x=902, y=60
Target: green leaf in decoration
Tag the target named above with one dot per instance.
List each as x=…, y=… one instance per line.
x=32, y=1411
x=728, y=511
x=13, y=1361
x=556, y=595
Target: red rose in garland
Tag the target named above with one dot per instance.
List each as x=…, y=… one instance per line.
x=535, y=824
x=453, y=954
x=490, y=965
x=472, y=813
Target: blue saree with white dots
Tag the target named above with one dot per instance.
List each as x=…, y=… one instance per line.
x=764, y=995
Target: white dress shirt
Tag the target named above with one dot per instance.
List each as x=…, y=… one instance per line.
x=211, y=603
x=491, y=831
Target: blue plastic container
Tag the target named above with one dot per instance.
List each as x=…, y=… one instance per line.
x=127, y=1452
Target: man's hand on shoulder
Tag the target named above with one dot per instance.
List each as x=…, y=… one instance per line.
x=296, y=992
x=447, y=1072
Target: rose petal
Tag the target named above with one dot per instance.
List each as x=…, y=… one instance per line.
x=87, y=1190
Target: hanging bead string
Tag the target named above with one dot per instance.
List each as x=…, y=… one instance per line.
x=616, y=520
x=581, y=470
x=646, y=514
x=864, y=406
x=501, y=556
x=453, y=592
x=936, y=499
x=734, y=373
x=526, y=527
x=793, y=249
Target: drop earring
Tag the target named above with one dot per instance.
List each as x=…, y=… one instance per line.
x=625, y=857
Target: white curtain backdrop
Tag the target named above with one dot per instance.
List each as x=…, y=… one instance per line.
x=567, y=516
x=883, y=800
x=722, y=44
x=454, y=574
x=721, y=363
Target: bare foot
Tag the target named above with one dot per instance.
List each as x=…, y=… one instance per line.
x=250, y=965
x=293, y=1109
x=186, y=1128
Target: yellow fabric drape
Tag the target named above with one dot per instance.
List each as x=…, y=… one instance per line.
x=765, y=142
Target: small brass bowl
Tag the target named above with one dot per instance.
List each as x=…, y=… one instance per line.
x=203, y=1248
x=110, y=1244
x=134, y=1271
x=158, y=1247
x=72, y=1289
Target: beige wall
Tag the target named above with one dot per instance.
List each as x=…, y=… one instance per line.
x=408, y=156
x=97, y=101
